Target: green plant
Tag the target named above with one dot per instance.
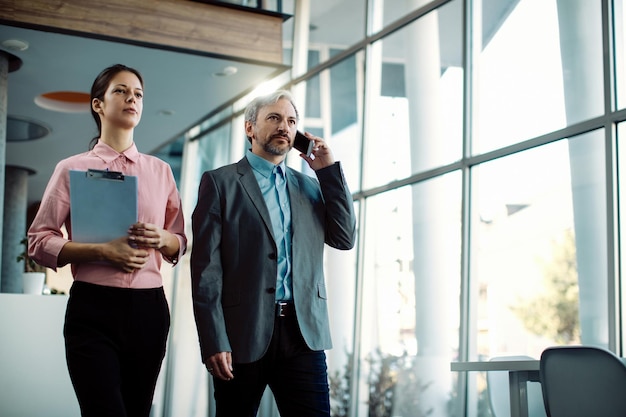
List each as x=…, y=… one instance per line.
x=29, y=264
x=393, y=383
x=339, y=383
x=554, y=312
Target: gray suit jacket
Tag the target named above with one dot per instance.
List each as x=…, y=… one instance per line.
x=233, y=258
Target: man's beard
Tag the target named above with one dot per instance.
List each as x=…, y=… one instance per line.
x=270, y=148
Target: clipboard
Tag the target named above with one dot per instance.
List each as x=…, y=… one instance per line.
x=103, y=205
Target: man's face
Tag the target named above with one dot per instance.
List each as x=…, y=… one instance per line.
x=274, y=131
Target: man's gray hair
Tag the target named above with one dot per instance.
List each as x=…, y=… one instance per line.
x=252, y=109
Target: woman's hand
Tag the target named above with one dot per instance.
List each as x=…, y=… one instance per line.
x=120, y=253
x=150, y=236
x=117, y=252
x=147, y=236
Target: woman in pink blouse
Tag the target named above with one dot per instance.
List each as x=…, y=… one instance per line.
x=117, y=317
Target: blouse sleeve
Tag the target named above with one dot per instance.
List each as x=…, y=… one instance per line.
x=174, y=221
x=45, y=235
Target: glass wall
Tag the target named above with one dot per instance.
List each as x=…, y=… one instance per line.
x=411, y=282
x=480, y=141
x=619, y=17
x=531, y=259
x=415, y=96
x=539, y=68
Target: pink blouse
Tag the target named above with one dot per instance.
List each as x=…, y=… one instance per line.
x=158, y=203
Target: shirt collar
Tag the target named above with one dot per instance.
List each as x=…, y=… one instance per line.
x=262, y=166
x=109, y=154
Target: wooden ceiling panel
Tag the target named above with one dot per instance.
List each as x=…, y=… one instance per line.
x=177, y=24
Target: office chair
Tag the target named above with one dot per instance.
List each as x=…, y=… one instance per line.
x=582, y=381
x=499, y=397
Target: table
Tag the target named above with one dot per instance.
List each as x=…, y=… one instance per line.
x=520, y=372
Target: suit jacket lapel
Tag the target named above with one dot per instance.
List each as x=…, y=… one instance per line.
x=251, y=186
x=299, y=206
x=295, y=194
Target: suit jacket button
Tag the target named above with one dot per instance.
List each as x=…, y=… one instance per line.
x=271, y=290
x=272, y=256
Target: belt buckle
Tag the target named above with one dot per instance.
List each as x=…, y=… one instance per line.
x=280, y=308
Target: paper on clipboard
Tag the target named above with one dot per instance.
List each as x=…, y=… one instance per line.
x=103, y=205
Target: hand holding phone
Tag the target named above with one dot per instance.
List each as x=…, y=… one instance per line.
x=303, y=144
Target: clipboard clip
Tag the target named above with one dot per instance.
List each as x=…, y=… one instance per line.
x=105, y=174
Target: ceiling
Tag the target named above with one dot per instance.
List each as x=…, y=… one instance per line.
x=180, y=90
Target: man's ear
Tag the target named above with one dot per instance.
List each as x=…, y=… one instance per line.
x=250, y=131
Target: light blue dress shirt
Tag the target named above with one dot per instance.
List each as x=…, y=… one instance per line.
x=273, y=183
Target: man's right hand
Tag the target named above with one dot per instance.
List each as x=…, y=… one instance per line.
x=220, y=365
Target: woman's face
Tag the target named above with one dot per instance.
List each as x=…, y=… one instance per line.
x=123, y=101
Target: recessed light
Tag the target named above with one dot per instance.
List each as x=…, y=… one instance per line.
x=226, y=72
x=23, y=129
x=15, y=45
x=65, y=101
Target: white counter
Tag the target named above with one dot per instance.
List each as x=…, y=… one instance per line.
x=34, y=381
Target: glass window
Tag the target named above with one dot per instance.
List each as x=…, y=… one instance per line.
x=332, y=26
x=410, y=313
x=394, y=10
x=539, y=269
x=538, y=70
x=332, y=110
x=340, y=272
x=173, y=155
x=621, y=164
x=619, y=16
x=337, y=24
x=415, y=118
x=214, y=149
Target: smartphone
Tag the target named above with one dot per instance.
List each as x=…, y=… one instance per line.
x=303, y=144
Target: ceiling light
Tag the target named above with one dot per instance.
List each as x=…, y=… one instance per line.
x=65, y=101
x=22, y=129
x=227, y=71
x=15, y=45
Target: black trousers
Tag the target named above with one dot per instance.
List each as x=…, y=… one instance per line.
x=115, y=341
x=297, y=376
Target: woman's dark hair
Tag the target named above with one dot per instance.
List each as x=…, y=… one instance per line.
x=99, y=88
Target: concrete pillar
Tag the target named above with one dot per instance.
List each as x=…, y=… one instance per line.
x=431, y=216
x=14, y=226
x=581, y=37
x=8, y=63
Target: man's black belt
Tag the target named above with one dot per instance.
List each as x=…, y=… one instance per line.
x=285, y=309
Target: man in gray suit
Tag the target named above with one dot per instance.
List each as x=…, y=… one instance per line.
x=259, y=292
